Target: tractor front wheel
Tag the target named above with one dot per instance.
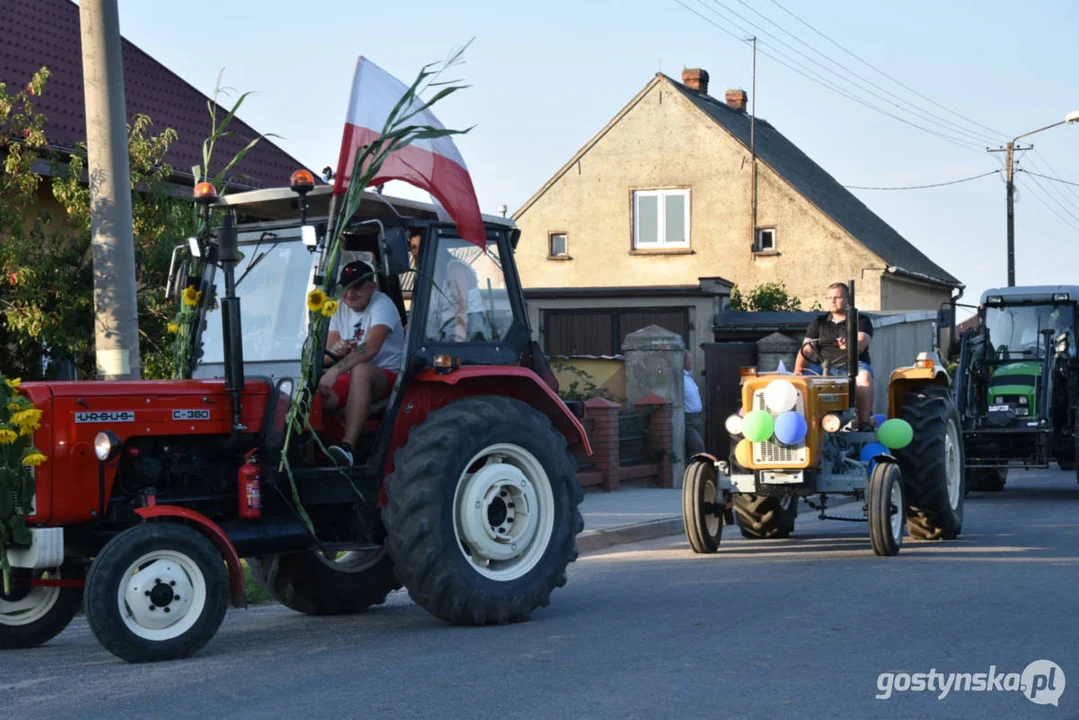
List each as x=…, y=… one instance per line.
x=31, y=616
x=482, y=511
x=157, y=591
x=885, y=507
x=702, y=516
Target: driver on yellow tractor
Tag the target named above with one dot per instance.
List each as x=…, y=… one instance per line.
x=826, y=338
x=366, y=340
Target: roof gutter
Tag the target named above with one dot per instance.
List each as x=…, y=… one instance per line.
x=903, y=272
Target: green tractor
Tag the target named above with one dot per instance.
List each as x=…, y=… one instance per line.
x=1017, y=385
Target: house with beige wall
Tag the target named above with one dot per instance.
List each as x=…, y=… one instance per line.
x=656, y=212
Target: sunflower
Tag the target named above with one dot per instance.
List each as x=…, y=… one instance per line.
x=33, y=459
x=13, y=383
x=329, y=308
x=7, y=436
x=30, y=416
x=315, y=300
x=173, y=328
x=191, y=296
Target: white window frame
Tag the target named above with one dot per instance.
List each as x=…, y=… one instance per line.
x=550, y=244
x=661, y=218
x=760, y=237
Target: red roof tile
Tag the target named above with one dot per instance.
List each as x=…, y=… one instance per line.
x=36, y=33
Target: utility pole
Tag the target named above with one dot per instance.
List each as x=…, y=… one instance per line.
x=116, y=315
x=753, y=140
x=1009, y=177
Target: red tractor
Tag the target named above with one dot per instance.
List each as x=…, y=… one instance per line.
x=464, y=489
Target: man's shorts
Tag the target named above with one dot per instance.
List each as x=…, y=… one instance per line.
x=839, y=371
x=340, y=388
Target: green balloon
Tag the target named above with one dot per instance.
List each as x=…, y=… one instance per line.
x=758, y=426
x=895, y=434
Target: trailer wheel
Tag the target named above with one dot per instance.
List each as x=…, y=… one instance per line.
x=702, y=519
x=482, y=511
x=157, y=591
x=886, y=507
x=310, y=583
x=31, y=616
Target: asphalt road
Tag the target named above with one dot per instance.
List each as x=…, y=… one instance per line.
x=795, y=628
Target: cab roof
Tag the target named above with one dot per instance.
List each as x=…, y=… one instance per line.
x=1031, y=293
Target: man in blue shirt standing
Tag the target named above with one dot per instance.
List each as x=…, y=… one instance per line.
x=693, y=407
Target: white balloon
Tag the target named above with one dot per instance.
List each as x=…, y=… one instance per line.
x=780, y=396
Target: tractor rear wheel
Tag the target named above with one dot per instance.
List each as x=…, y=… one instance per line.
x=991, y=480
x=31, y=616
x=310, y=583
x=761, y=518
x=932, y=465
x=482, y=511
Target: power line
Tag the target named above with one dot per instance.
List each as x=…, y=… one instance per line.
x=1052, y=209
x=1058, y=193
x=808, y=75
x=939, y=133
x=906, y=105
x=923, y=187
x=872, y=67
x=1049, y=177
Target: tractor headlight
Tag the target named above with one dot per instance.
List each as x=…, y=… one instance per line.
x=106, y=445
x=830, y=423
x=734, y=424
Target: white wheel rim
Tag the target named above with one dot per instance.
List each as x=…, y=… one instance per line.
x=711, y=494
x=503, y=512
x=161, y=595
x=895, y=499
x=952, y=464
x=30, y=608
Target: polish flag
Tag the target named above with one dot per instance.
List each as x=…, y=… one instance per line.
x=432, y=165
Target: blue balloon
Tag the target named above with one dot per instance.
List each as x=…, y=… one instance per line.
x=790, y=428
x=879, y=419
x=870, y=451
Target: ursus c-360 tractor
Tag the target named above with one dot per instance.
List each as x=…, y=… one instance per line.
x=798, y=437
x=463, y=491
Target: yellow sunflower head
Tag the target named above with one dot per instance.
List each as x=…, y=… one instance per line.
x=13, y=383
x=329, y=308
x=7, y=436
x=173, y=328
x=315, y=300
x=33, y=459
x=28, y=417
x=191, y=296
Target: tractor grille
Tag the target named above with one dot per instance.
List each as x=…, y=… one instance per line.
x=773, y=452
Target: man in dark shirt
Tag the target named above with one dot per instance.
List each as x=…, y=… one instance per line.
x=827, y=338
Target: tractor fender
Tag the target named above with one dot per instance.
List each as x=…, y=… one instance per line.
x=215, y=534
x=928, y=370
x=431, y=390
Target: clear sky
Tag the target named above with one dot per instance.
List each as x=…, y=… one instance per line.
x=545, y=76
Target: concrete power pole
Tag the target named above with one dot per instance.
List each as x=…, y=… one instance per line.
x=116, y=314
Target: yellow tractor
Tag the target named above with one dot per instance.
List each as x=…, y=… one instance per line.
x=798, y=437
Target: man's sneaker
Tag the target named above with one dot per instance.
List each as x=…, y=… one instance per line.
x=341, y=454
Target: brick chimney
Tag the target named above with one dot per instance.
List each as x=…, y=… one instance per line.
x=696, y=79
x=737, y=100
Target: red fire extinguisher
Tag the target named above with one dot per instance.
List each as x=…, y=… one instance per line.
x=250, y=487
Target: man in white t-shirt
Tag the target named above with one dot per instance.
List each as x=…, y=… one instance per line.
x=366, y=339
x=692, y=407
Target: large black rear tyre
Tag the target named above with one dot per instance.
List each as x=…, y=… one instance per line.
x=482, y=511
x=933, y=465
x=765, y=518
x=309, y=583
